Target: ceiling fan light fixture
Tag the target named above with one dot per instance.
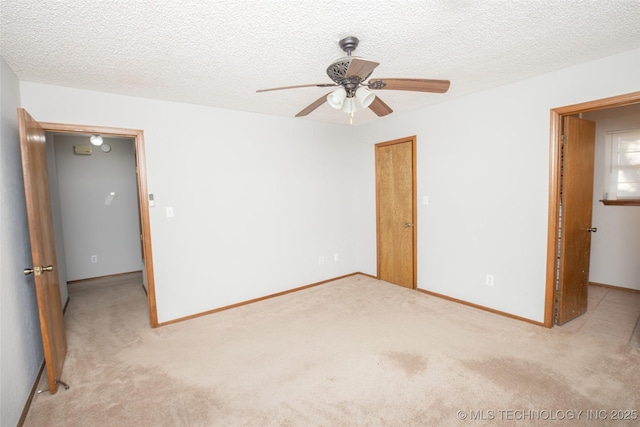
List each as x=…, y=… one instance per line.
x=96, y=140
x=365, y=96
x=349, y=105
x=337, y=97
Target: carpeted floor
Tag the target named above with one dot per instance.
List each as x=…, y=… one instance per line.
x=612, y=315
x=352, y=352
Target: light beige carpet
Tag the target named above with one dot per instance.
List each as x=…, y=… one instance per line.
x=352, y=352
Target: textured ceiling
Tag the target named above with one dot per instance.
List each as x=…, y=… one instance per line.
x=219, y=52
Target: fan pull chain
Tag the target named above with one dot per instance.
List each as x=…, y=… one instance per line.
x=351, y=118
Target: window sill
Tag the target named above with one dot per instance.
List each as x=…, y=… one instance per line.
x=627, y=202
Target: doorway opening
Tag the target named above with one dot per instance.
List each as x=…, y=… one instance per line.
x=555, y=175
x=143, y=203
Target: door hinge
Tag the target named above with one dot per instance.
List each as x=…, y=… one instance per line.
x=565, y=139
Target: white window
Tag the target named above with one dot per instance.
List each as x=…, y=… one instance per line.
x=623, y=164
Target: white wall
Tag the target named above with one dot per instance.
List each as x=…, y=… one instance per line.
x=615, y=248
x=20, y=340
x=483, y=160
x=257, y=199
x=90, y=226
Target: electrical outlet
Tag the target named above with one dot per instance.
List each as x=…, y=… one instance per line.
x=94, y=259
x=336, y=257
x=489, y=280
x=320, y=260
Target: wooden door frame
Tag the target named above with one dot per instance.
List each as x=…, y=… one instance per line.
x=555, y=164
x=414, y=204
x=143, y=201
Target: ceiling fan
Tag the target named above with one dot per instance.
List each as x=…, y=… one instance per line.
x=350, y=74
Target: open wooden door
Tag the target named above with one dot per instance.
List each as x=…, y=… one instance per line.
x=44, y=269
x=396, y=211
x=576, y=229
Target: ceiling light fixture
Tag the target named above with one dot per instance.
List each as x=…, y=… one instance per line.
x=337, y=97
x=349, y=106
x=365, y=96
x=96, y=140
x=340, y=99
x=344, y=100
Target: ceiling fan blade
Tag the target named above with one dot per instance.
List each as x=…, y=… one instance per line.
x=315, y=104
x=297, y=86
x=379, y=107
x=417, y=85
x=361, y=67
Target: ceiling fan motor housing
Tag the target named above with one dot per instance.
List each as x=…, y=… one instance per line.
x=338, y=70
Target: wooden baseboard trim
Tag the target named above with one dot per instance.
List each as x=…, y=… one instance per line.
x=251, y=301
x=481, y=307
x=89, y=279
x=617, y=288
x=27, y=405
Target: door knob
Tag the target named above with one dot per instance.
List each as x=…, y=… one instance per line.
x=407, y=225
x=37, y=270
x=592, y=229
